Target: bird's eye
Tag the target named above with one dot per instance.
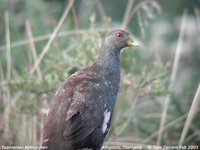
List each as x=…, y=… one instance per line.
x=119, y=35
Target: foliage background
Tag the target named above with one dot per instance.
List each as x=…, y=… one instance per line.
x=162, y=27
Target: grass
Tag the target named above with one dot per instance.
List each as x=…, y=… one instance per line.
x=33, y=68
x=172, y=78
x=191, y=114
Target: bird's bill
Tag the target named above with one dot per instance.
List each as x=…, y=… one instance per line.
x=132, y=43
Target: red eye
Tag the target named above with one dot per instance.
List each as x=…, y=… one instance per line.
x=119, y=35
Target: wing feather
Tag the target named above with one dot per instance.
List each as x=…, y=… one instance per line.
x=83, y=116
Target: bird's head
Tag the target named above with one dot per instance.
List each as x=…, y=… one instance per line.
x=118, y=39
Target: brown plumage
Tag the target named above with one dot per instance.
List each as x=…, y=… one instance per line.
x=81, y=111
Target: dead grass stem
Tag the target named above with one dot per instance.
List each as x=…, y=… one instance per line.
x=191, y=114
x=127, y=14
x=173, y=77
x=7, y=32
x=33, y=48
x=54, y=34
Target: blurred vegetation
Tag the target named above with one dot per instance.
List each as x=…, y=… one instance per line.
x=146, y=73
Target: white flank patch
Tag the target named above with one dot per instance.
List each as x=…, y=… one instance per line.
x=105, y=121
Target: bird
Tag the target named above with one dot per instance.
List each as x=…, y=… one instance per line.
x=81, y=111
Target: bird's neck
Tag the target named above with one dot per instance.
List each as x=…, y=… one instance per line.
x=109, y=61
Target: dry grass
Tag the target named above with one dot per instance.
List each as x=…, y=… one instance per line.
x=193, y=111
x=53, y=36
x=33, y=49
x=173, y=77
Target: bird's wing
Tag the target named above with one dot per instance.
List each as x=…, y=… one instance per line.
x=85, y=112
